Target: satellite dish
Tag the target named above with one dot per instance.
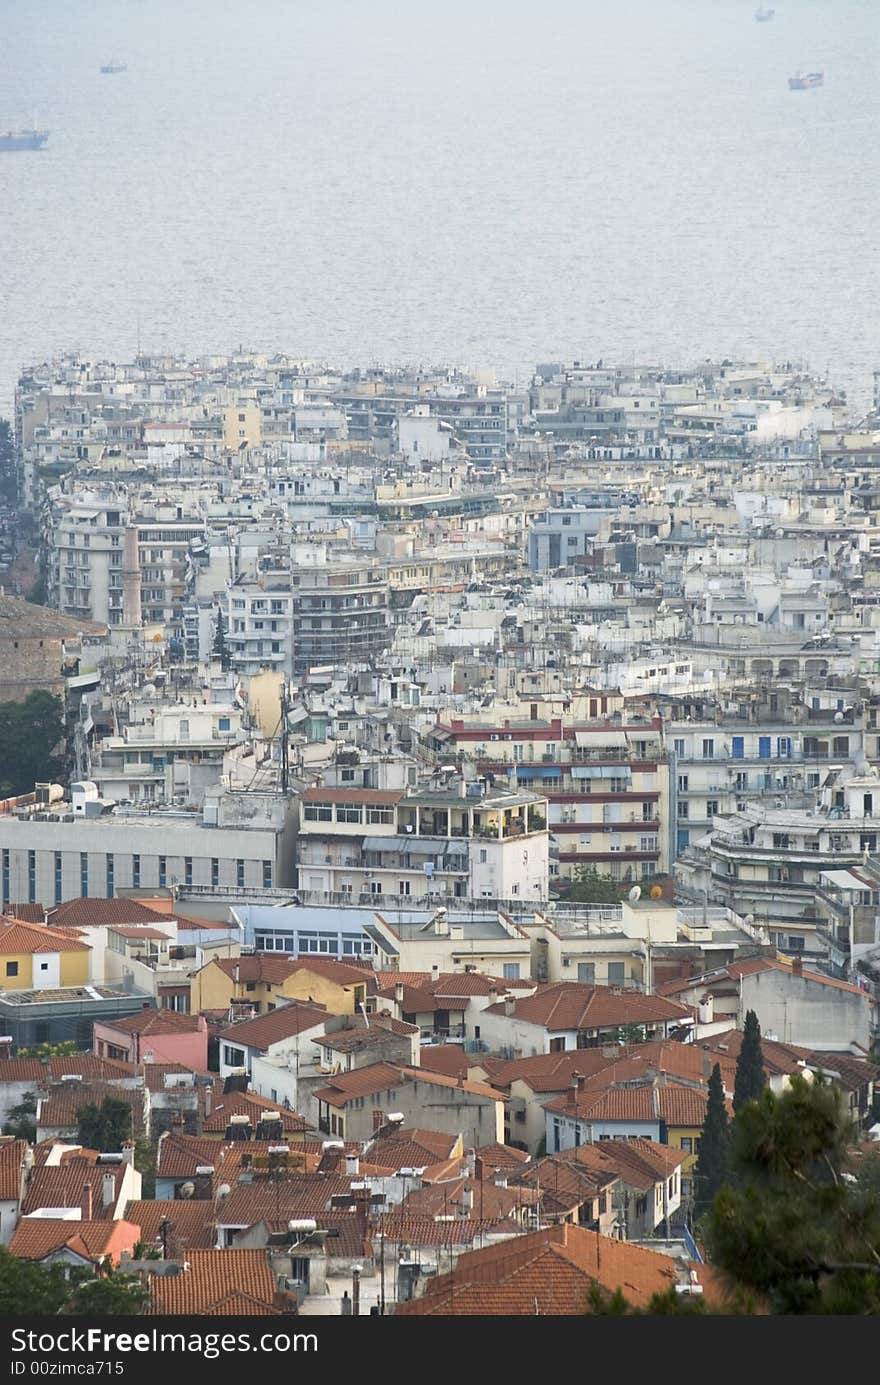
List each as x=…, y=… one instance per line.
x=635, y=894
x=838, y=717
x=187, y=1189
x=224, y=1190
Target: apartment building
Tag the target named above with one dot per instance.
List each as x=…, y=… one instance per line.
x=369, y=845
x=606, y=779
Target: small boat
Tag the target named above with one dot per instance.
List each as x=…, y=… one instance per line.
x=763, y=15
x=114, y=67
x=23, y=139
x=801, y=80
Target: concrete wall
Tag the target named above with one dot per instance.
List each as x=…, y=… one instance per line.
x=809, y=1014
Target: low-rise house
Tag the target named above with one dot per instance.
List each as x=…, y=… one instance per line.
x=570, y=1015
x=36, y=958
x=794, y=1005
x=212, y=1283
x=571, y=1191
x=16, y=1161
x=550, y=1271
x=648, y=1187
x=665, y=1112
x=18, y=1076
x=79, y=1243
x=99, y=1185
x=354, y=1105
x=254, y=985
x=286, y=1031
x=154, y=1036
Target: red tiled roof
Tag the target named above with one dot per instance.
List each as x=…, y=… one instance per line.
x=215, y=1280
x=152, y=1021
x=190, y=1224
x=749, y=966
x=18, y=937
x=256, y=966
x=12, y=1154
x=343, y=973
x=379, y=1077
x=281, y=1023
x=62, y=1186
x=134, y=934
x=58, y=1108
x=450, y=1059
x=572, y=1005
x=85, y=1064
x=502, y=1158
x=545, y=1272
x=249, y=1104
x=81, y=913
x=36, y=1237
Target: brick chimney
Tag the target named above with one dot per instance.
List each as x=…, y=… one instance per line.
x=86, y=1203
x=797, y=966
x=378, y=1120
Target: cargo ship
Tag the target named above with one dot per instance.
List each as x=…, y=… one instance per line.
x=23, y=139
x=800, y=80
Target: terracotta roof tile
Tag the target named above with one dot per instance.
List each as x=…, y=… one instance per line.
x=12, y=1153
x=62, y=1186
x=152, y=1021
x=257, y=966
x=23, y=938
x=548, y=1272
x=450, y=1059
x=190, y=1224
x=36, y=1237
x=217, y=1281
x=249, y=1104
x=571, y=1005
x=281, y=1023
x=86, y=1065
x=58, y=1108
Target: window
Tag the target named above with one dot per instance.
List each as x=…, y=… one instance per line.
x=224, y=723
x=349, y=812
x=678, y=748
x=511, y=971
x=683, y=781
x=318, y=812
x=587, y=972
x=709, y=749
x=403, y=887
x=58, y=892
x=135, y=870
x=682, y=810
x=163, y=873
x=267, y=875
x=215, y=870
x=12, y=969
x=239, y=874
x=711, y=807
x=32, y=877
x=111, y=871
x=783, y=747
x=84, y=874
x=484, y=856
x=687, y=1144
x=233, y=1057
x=187, y=870
x=616, y=973
x=737, y=748
x=840, y=745
x=5, y=875
x=763, y=747
x=795, y=943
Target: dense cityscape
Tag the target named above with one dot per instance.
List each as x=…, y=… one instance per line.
x=440, y=821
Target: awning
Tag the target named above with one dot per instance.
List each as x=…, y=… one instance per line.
x=610, y=737
x=601, y=772
x=538, y=772
x=415, y=846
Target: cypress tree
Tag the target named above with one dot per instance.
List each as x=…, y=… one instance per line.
x=220, y=648
x=712, y=1166
x=751, y=1079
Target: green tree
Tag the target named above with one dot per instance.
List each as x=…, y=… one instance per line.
x=713, y=1163
x=590, y=887
x=792, y=1229
x=220, y=648
x=112, y=1294
x=751, y=1079
x=145, y=1163
x=32, y=743
x=105, y=1127
x=59, y=1050
x=26, y=1288
x=21, y=1120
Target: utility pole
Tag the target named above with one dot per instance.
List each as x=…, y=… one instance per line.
x=285, y=764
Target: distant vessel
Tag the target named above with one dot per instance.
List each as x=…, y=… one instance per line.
x=763, y=15
x=114, y=67
x=800, y=80
x=23, y=139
